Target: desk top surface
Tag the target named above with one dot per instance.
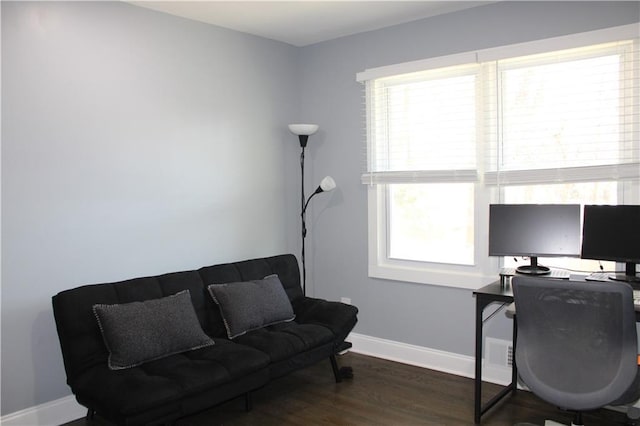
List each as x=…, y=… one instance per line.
x=502, y=287
x=501, y=291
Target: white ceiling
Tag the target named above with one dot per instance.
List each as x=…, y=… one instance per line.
x=304, y=22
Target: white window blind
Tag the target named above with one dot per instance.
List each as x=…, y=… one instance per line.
x=568, y=115
x=423, y=126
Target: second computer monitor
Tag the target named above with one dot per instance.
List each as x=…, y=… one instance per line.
x=613, y=233
x=534, y=230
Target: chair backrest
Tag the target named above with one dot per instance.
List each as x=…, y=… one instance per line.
x=576, y=344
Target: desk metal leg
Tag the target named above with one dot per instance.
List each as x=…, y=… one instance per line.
x=479, y=410
x=514, y=367
x=480, y=305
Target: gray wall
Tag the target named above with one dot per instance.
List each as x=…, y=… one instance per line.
x=133, y=143
x=138, y=143
x=430, y=316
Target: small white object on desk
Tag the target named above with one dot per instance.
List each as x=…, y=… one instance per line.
x=597, y=276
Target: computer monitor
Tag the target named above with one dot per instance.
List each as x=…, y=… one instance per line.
x=613, y=233
x=534, y=230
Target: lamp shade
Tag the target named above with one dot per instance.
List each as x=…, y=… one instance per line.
x=303, y=129
x=327, y=184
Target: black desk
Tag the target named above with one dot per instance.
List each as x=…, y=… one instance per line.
x=496, y=292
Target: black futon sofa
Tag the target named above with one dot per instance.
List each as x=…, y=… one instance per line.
x=151, y=350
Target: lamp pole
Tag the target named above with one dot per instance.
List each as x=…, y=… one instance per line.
x=327, y=184
x=303, y=216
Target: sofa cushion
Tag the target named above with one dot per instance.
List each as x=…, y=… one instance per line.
x=138, y=332
x=250, y=305
x=286, y=340
x=168, y=380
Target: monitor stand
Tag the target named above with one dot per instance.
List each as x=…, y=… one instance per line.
x=629, y=275
x=533, y=268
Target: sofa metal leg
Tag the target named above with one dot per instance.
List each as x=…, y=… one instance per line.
x=340, y=372
x=248, y=403
x=91, y=413
x=336, y=370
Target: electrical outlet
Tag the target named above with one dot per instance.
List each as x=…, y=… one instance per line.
x=345, y=300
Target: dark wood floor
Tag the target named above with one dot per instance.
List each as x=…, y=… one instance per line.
x=381, y=393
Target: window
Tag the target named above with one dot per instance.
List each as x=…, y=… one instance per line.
x=558, y=122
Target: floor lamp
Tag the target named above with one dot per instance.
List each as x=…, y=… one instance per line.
x=327, y=184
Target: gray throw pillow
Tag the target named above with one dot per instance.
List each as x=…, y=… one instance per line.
x=250, y=305
x=138, y=332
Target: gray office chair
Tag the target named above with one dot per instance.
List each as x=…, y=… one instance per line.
x=576, y=342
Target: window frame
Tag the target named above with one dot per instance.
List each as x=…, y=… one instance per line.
x=485, y=268
x=443, y=274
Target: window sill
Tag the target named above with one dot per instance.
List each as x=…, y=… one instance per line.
x=448, y=278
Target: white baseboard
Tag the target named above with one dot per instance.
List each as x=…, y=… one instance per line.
x=66, y=409
x=50, y=413
x=447, y=362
